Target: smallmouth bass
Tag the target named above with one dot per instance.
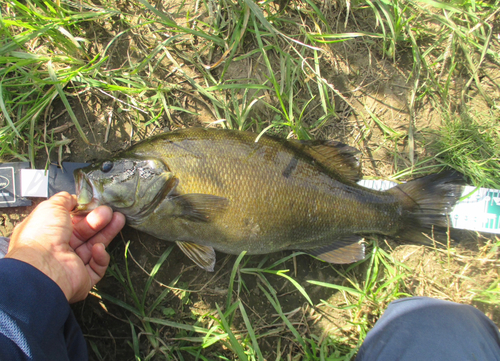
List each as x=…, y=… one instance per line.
x=209, y=189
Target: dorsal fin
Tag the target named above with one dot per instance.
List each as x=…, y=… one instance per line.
x=337, y=157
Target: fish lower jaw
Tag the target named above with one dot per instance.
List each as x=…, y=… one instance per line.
x=87, y=207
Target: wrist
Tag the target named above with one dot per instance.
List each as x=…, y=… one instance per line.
x=45, y=264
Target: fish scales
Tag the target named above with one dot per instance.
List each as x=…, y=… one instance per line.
x=223, y=190
x=264, y=205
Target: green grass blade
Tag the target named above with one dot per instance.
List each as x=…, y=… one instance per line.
x=60, y=91
x=337, y=287
x=234, y=342
x=181, y=326
x=232, y=278
x=154, y=271
x=257, y=12
x=275, y=303
x=135, y=342
x=120, y=303
x=251, y=332
x=6, y=113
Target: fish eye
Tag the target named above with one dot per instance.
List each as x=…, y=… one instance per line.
x=106, y=167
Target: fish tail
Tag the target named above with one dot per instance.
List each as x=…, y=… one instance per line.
x=426, y=204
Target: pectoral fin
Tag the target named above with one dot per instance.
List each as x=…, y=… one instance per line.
x=199, y=207
x=347, y=250
x=203, y=256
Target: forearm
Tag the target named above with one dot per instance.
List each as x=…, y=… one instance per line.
x=36, y=321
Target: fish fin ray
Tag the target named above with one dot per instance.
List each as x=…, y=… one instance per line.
x=199, y=207
x=426, y=203
x=347, y=250
x=203, y=256
x=334, y=156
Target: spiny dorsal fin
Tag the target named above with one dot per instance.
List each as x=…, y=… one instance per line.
x=347, y=250
x=334, y=156
x=203, y=256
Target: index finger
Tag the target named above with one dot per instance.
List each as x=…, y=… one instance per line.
x=90, y=225
x=105, y=236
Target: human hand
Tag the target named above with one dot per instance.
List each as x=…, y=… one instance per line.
x=71, y=251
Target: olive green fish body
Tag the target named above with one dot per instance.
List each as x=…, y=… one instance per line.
x=223, y=190
x=277, y=198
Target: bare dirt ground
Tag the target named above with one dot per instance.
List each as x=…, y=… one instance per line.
x=366, y=80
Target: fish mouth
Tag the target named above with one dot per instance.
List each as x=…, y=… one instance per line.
x=85, y=195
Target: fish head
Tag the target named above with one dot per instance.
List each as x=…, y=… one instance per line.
x=132, y=186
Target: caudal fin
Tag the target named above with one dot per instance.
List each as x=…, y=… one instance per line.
x=427, y=202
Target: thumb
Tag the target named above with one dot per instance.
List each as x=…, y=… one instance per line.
x=63, y=199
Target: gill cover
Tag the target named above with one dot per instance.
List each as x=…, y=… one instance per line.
x=133, y=187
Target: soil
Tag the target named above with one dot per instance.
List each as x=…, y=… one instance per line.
x=364, y=79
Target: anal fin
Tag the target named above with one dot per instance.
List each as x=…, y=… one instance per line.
x=203, y=256
x=346, y=250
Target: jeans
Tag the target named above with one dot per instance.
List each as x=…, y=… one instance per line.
x=422, y=328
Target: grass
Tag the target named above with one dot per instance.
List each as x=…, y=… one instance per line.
x=412, y=84
x=360, y=293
